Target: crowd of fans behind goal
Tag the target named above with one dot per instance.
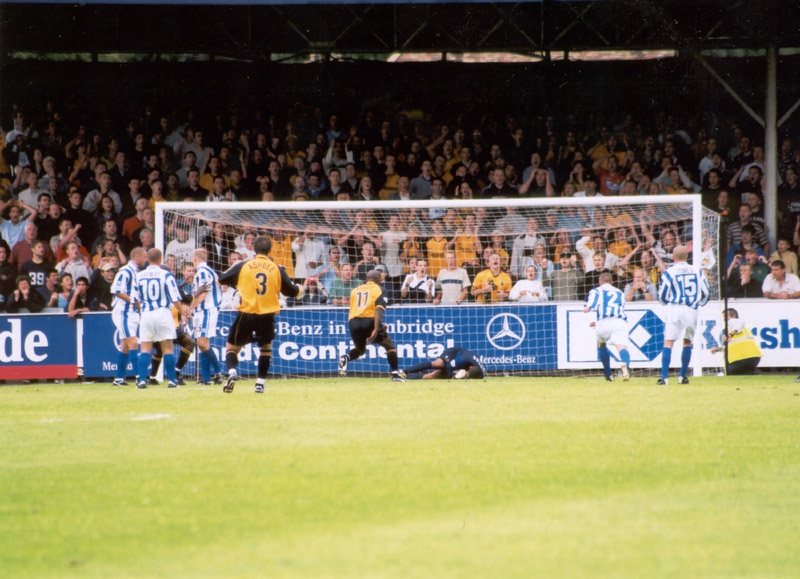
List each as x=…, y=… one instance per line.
x=74, y=202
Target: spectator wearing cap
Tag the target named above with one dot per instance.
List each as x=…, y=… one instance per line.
x=99, y=295
x=566, y=282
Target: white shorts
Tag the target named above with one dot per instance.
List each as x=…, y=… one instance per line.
x=681, y=322
x=204, y=323
x=612, y=331
x=127, y=323
x=157, y=326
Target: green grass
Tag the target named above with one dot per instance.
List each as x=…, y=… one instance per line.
x=535, y=477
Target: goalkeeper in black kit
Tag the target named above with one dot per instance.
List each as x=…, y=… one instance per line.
x=457, y=363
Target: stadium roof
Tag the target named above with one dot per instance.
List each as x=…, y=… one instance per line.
x=245, y=29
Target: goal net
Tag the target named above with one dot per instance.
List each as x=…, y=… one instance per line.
x=504, y=278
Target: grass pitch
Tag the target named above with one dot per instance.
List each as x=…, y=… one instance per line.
x=558, y=477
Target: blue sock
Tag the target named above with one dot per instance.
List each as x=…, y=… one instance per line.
x=205, y=371
x=686, y=357
x=666, y=358
x=625, y=356
x=144, y=365
x=133, y=360
x=212, y=364
x=169, y=366
x=215, y=365
x=122, y=364
x=605, y=358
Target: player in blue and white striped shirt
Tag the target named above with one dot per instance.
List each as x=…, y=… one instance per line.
x=125, y=313
x=158, y=289
x=611, y=325
x=207, y=297
x=683, y=289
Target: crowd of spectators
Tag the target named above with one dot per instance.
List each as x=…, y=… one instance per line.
x=75, y=198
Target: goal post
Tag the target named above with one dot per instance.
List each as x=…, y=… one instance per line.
x=520, y=333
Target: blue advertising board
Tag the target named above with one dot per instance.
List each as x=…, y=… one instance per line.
x=38, y=346
x=309, y=340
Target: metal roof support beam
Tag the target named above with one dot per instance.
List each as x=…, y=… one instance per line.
x=730, y=90
x=788, y=114
x=771, y=148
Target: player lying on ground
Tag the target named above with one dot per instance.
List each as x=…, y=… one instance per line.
x=455, y=363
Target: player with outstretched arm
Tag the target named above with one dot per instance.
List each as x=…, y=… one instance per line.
x=611, y=325
x=260, y=281
x=367, y=305
x=458, y=363
x=683, y=289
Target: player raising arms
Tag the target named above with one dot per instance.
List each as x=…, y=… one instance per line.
x=458, y=363
x=125, y=312
x=260, y=281
x=204, y=311
x=611, y=325
x=683, y=289
x=157, y=290
x=367, y=305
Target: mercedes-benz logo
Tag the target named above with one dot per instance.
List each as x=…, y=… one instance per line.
x=505, y=331
x=117, y=340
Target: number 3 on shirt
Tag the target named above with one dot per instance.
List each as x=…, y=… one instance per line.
x=261, y=279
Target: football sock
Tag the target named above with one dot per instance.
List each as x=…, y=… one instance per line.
x=205, y=370
x=212, y=358
x=605, y=358
x=183, y=357
x=122, y=363
x=686, y=357
x=133, y=360
x=424, y=365
x=169, y=366
x=231, y=360
x=391, y=357
x=264, y=361
x=666, y=358
x=354, y=354
x=144, y=363
x=625, y=356
x=156, y=364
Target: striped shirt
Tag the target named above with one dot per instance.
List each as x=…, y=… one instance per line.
x=607, y=301
x=125, y=282
x=206, y=279
x=683, y=284
x=157, y=288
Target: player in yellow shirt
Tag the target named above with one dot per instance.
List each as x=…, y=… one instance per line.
x=492, y=285
x=260, y=281
x=367, y=306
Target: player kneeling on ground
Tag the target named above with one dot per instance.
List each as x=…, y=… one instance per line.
x=367, y=305
x=260, y=282
x=457, y=363
x=611, y=325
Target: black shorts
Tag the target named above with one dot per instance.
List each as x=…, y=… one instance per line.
x=362, y=328
x=249, y=328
